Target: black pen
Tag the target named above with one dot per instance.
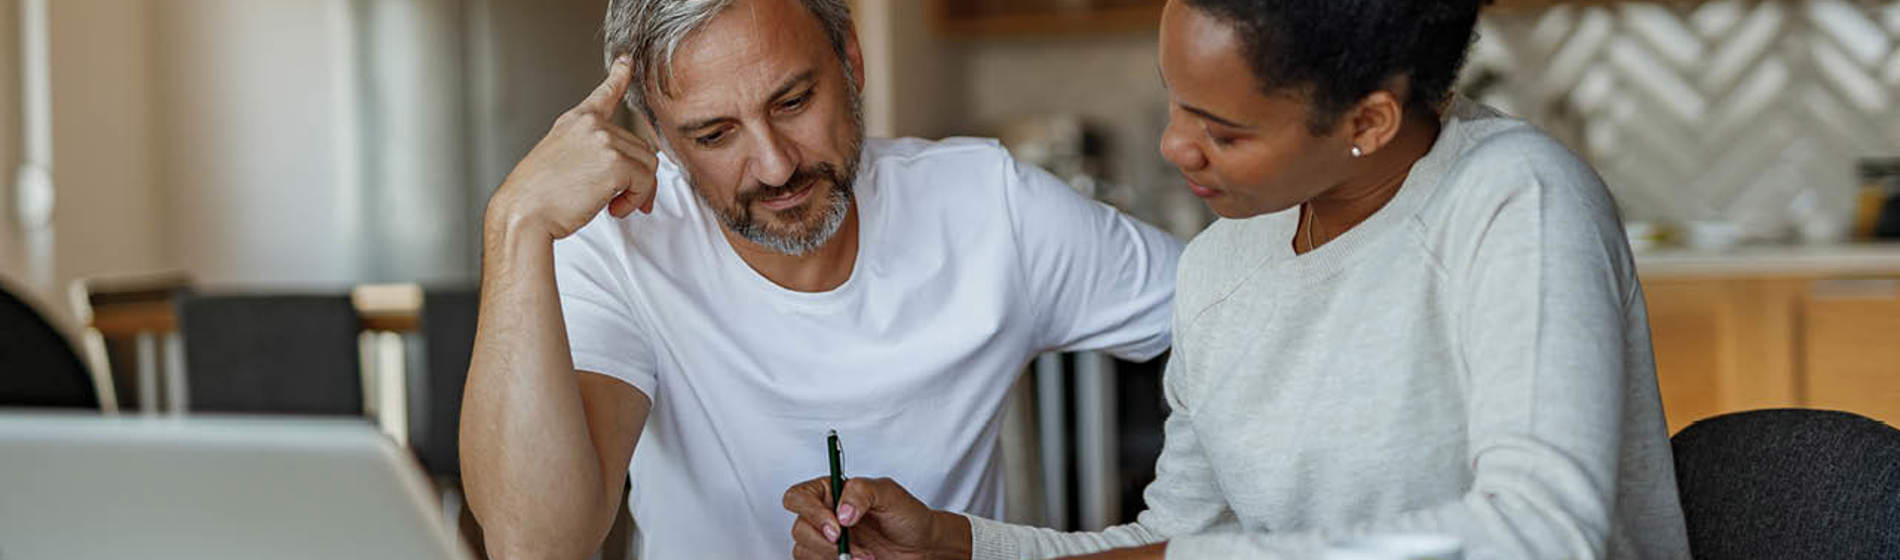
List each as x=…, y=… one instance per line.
x=837, y=489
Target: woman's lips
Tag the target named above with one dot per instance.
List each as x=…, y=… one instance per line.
x=1201, y=190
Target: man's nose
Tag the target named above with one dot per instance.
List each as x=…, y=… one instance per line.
x=774, y=159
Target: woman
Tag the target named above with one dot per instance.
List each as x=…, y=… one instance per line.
x=1417, y=316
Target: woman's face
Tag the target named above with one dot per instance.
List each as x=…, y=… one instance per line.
x=1243, y=152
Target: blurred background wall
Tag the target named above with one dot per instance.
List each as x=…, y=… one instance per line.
x=11, y=257
x=289, y=144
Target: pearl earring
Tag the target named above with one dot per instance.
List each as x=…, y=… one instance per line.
x=1356, y=152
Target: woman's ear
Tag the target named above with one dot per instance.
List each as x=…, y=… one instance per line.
x=1375, y=121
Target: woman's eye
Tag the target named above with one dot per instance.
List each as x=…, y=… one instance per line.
x=1222, y=140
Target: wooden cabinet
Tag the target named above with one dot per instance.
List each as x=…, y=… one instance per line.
x=1850, y=356
x=1539, y=4
x=1689, y=327
x=1725, y=344
x=978, y=18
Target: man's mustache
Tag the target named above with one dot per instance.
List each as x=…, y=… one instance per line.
x=804, y=177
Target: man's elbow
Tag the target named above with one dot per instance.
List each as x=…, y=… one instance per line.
x=543, y=528
x=508, y=541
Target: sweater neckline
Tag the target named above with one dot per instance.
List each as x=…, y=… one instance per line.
x=1420, y=182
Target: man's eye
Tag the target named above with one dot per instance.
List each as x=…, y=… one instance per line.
x=710, y=140
x=795, y=103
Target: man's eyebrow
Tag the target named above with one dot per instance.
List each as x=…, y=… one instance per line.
x=790, y=84
x=688, y=128
x=801, y=79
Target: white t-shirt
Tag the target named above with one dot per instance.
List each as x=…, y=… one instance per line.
x=968, y=266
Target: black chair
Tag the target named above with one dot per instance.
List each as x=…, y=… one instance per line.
x=447, y=323
x=279, y=354
x=38, y=367
x=1790, y=483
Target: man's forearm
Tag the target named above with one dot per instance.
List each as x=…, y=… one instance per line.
x=532, y=472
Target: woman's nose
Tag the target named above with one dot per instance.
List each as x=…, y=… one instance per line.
x=1179, y=149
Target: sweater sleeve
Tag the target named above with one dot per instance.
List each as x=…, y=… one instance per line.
x=1543, y=286
x=1184, y=498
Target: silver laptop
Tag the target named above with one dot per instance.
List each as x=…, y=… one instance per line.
x=84, y=487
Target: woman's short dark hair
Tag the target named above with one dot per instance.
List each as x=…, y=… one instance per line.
x=1336, y=52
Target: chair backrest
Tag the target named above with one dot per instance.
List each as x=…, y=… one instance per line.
x=38, y=367
x=448, y=333
x=292, y=354
x=1790, y=483
x=127, y=320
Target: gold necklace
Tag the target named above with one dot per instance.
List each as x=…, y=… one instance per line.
x=1310, y=218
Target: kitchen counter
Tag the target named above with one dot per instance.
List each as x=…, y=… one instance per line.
x=1768, y=326
x=1832, y=260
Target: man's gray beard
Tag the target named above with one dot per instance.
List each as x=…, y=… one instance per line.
x=835, y=209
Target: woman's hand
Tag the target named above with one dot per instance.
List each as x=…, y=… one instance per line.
x=886, y=523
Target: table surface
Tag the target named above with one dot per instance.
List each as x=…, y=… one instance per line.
x=1818, y=261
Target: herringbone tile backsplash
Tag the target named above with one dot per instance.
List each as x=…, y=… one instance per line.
x=1752, y=112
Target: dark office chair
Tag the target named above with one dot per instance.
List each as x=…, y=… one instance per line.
x=38, y=367
x=448, y=337
x=1790, y=483
x=283, y=354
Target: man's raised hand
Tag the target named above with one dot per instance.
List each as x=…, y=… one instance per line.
x=584, y=164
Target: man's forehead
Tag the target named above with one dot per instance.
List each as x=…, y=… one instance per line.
x=749, y=49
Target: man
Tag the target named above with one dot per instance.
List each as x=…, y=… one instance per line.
x=786, y=277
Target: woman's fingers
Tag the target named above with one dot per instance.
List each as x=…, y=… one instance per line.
x=810, y=501
x=866, y=495
x=809, y=542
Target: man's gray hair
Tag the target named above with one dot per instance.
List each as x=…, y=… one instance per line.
x=650, y=32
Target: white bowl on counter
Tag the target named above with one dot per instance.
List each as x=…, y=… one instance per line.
x=1712, y=235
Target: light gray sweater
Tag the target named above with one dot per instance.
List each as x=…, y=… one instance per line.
x=1472, y=360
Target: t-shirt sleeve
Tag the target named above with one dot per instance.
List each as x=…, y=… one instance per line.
x=606, y=334
x=1097, y=279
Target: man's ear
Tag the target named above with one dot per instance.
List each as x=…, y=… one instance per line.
x=854, y=57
